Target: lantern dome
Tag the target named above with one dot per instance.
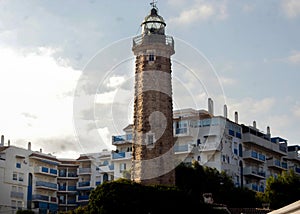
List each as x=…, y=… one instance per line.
x=153, y=23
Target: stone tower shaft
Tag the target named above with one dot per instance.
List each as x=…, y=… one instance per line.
x=153, y=140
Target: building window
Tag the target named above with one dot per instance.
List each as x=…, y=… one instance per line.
x=21, y=177
x=20, y=205
x=15, y=176
x=18, y=164
x=20, y=189
x=122, y=167
x=13, y=204
x=240, y=150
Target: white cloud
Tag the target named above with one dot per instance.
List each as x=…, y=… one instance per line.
x=202, y=11
x=35, y=92
x=296, y=110
x=115, y=81
x=294, y=57
x=291, y=8
x=248, y=8
x=250, y=108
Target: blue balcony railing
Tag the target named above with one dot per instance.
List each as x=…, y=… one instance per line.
x=62, y=188
x=83, y=197
x=71, y=188
x=181, y=130
x=84, y=184
x=53, y=171
x=261, y=157
x=118, y=155
x=40, y=197
x=46, y=184
x=254, y=154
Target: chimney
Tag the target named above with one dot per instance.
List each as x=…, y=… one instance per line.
x=210, y=106
x=41, y=151
x=29, y=146
x=268, y=131
x=2, y=140
x=236, y=117
x=225, y=111
x=254, y=124
x=8, y=142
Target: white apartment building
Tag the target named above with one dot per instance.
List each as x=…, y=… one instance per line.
x=248, y=155
x=28, y=180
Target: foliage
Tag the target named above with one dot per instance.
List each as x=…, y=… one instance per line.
x=196, y=180
x=125, y=196
x=281, y=191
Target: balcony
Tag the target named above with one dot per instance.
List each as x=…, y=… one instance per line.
x=255, y=187
x=153, y=39
x=254, y=173
x=210, y=146
x=122, y=155
x=255, y=156
x=69, y=175
x=44, y=198
x=182, y=132
x=84, y=171
x=45, y=171
x=85, y=185
x=67, y=188
x=277, y=164
x=69, y=202
x=297, y=170
x=46, y=185
x=181, y=149
x=19, y=195
x=82, y=198
x=262, y=142
x=121, y=139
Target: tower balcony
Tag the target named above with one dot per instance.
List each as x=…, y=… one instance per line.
x=167, y=42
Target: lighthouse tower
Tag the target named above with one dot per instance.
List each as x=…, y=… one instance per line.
x=153, y=141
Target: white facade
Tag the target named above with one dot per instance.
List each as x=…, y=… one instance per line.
x=14, y=170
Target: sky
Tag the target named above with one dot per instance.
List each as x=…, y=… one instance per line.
x=67, y=69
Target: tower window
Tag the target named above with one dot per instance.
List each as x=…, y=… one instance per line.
x=151, y=58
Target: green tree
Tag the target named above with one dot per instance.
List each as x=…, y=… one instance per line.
x=196, y=179
x=282, y=190
x=125, y=196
